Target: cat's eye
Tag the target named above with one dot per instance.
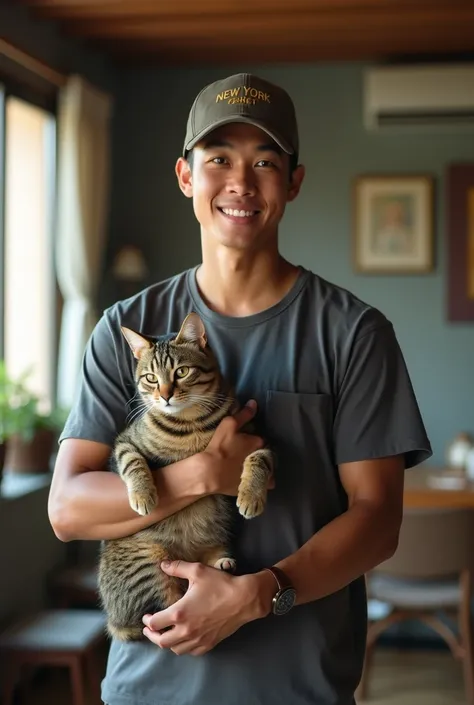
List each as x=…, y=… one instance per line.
x=150, y=378
x=182, y=372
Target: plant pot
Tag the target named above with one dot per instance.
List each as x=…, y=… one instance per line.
x=33, y=456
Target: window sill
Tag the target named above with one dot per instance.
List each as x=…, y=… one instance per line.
x=15, y=485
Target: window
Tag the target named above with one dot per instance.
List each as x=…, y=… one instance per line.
x=27, y=165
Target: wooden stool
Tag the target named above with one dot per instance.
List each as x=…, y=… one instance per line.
x=58, y=638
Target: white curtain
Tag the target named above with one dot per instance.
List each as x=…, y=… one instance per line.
x=81, y=223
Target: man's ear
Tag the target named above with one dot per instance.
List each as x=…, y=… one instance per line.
x=185, y=177
x=296, y=182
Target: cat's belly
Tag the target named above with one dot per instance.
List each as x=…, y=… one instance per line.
x=204, y=523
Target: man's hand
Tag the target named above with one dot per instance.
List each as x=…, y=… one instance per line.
x=227, y=450
x=215, y=606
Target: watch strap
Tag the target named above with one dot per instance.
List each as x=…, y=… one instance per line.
x=281, y=578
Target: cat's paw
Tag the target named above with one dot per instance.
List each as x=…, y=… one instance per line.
x=249, y=504
x=144, y=501
x=227, y=564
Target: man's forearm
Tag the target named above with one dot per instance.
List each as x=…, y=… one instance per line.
x=340, y=552
x=94, y=504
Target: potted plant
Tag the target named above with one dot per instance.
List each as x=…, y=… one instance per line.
x=29, y=432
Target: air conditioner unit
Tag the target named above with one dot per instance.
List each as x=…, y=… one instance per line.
x=439, y=97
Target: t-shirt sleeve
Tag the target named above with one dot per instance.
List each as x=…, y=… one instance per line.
x=377, y=414
x=100, y=408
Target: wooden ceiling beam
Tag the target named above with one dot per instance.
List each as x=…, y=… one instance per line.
x=109, y=9
x=264, y=27
x=175, y=32
x=236, y=56
x=355, y=48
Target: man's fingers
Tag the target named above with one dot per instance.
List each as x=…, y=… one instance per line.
x=160, y=620
x=246, y=414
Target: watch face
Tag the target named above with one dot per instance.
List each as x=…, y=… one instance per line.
x=285, y=601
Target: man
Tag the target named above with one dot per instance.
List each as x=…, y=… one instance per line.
x=333, y=397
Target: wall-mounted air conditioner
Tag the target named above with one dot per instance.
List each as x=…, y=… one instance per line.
x=427, y=96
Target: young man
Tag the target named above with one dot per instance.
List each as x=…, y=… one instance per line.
x=333, y=398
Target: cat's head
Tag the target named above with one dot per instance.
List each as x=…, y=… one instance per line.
x=178, y=375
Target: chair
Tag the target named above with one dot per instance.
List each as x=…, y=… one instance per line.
x=75, y=582
x=55, y=637
x=429, y=574
x=74, y=586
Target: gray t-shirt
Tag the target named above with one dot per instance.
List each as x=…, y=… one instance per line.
x=332, y=387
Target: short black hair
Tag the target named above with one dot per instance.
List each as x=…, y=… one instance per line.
x=293, y=161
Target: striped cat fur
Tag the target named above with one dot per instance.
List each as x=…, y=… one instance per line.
x=183, y=399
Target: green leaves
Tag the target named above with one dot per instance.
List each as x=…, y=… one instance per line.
x=20, y=409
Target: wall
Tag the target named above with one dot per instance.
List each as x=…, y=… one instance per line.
x=43, y=40
x=148, y=208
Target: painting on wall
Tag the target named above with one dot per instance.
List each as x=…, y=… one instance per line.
x=393, y=224
x=460, y=241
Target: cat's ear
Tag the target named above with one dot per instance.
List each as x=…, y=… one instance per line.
x=192, y=331
x=137, y=342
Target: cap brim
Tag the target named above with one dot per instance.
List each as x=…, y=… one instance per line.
x=239, y=118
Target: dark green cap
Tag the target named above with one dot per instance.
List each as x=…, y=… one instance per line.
x=244, y=98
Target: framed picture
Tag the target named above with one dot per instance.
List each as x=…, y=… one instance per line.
x=460, y=241
x=393, y=224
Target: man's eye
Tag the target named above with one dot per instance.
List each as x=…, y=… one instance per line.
x=265, y=162
x=219, y=160
x=150, y=378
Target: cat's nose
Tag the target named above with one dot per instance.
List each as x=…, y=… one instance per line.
x=166, y=391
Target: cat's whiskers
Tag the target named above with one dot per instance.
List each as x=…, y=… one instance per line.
x=137, y=395
x=205, y=403
x=214, y=399
x=139, y=411
x=202, y=406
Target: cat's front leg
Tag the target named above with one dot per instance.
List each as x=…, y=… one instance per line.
x=134, y=471
x=252, y=494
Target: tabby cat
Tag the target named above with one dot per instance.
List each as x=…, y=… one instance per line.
x=184, y=397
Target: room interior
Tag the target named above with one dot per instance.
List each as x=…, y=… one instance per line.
x=146, y=61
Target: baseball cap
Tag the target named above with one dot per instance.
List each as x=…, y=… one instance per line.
x=244, y=98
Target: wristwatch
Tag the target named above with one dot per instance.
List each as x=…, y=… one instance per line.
x=285, y=597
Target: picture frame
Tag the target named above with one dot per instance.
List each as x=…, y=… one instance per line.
x=393, y=224
x=460, y=241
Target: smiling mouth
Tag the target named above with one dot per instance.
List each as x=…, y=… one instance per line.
x=235, y=213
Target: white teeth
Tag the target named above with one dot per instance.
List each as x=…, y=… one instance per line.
x=238, y=214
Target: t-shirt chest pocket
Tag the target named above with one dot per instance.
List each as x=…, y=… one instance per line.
x=299, y=426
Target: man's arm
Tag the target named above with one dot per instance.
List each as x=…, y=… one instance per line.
x=88, y=502
x=355, y=542
x=346, y=548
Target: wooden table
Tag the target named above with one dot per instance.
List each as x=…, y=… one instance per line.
x=427, y=486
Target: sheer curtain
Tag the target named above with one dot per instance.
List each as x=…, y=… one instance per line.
x=82, y=208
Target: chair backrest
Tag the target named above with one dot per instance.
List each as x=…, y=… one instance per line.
x=433, y=543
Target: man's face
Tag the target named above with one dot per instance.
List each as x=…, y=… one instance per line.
x=240, y=184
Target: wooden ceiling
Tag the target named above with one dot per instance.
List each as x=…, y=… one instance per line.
x=236, y=31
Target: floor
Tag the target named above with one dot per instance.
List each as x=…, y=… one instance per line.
x=416, y=678
x=399, y=678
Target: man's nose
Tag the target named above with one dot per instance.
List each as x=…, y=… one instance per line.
x=242, y=182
